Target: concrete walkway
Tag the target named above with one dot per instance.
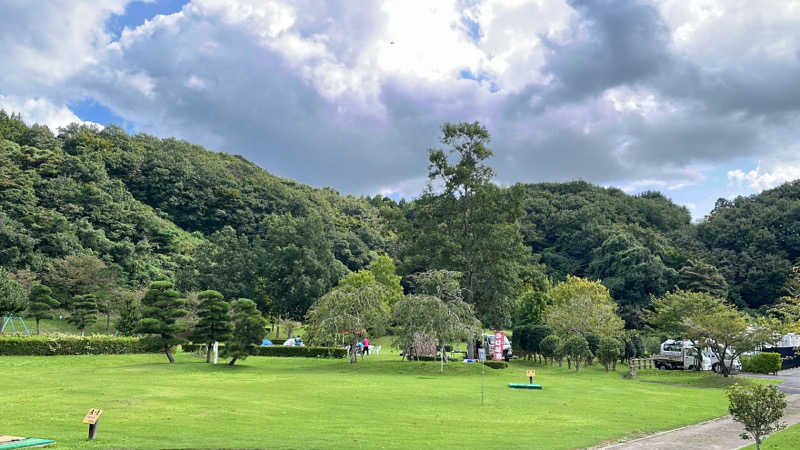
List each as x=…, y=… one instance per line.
x=717, y=434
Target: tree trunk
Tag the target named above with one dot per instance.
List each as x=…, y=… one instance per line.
x=569, y=363
x=208, y=353
x=577, y=365
x=37, y=326
x=614, y=367
x=353, y=358
x=758, y=442
x=108, y=322
x=606, y=367
x=471, y=350
x=169, y=355
x=233, y=361
x=83, y=330
x=441, y=366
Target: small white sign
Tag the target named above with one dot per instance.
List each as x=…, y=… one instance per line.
x=482, y=354
x=216, y=351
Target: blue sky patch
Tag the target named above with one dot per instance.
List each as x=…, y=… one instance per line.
x=137, y=12
x=89, y=109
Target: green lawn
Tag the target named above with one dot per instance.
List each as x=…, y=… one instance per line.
x=787, y=439
x=312, y=403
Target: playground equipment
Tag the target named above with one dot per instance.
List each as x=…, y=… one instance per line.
x=530, y=385
x=8, y=322
x=7, y=442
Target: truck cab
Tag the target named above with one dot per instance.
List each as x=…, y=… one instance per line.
x=676, y=354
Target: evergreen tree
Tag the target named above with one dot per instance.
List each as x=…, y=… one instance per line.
x=41, y=304
x=162, y=306
x=215, y=321
x=84, y=311
x=697, y=276
x=129, y=315
x=248, y=330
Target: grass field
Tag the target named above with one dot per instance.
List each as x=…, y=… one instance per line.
x=312, y=403
x=788, y=439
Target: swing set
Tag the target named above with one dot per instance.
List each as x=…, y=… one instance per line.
x=10, y=322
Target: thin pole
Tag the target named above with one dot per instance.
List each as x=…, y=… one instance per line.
x=483, y=367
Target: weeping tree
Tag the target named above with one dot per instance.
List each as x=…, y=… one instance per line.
x=437, y=310
x=41, y=304
x=248, y=330
x=215, y=321
x=83, y=311
x=162, y=306
x=344, y=312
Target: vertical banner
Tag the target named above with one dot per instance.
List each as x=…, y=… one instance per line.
x=499, y=341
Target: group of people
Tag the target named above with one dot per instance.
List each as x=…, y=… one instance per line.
x=363, y=347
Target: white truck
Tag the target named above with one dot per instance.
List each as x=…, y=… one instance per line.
x=677, y=354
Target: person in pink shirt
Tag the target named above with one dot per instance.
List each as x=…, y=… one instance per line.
x=366, y=346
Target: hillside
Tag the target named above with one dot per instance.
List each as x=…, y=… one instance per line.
x=152, y=208
x=148, y=207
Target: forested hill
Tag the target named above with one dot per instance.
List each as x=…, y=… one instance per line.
x=144, y=208
x=148, y=208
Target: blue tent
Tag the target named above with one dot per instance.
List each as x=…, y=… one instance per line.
x=266, y=342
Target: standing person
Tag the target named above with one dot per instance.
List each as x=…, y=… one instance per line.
x=366, y=346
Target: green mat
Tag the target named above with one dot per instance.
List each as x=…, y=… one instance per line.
x=27, y=442
x=524, y=386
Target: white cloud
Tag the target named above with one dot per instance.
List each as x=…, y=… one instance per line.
x=766, y=175
x=41, y=111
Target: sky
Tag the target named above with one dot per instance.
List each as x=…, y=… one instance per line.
x=698, y=99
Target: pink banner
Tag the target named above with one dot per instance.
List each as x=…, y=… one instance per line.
x=499, y=341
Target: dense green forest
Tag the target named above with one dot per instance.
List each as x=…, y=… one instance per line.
x=127, y=210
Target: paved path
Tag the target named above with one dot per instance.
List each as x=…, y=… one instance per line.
x=717, y=434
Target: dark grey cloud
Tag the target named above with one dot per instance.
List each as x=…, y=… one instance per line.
x=612, y=43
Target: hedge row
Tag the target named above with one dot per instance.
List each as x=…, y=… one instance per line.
x=491, y=363
x=280, y=350
x=74, y=345
x=762, y=363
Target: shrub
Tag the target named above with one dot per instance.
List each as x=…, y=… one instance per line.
x=549, y=347
x=759, y=408
x=74, y=345
x=576, y=348
x=280, y=350
x=608, y=351
x=762, y=363
x=496, y=364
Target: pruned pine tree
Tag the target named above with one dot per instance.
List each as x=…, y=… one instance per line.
x=248, y=330
x=84, y=311
x=215, y=321
x=162, y=306
x=41, y=304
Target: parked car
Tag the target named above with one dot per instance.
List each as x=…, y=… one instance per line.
x=294, y=342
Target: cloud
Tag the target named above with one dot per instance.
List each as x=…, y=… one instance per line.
x=617, y=92
x=766, y=175
x=41, y=111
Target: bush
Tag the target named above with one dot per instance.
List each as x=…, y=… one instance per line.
x=496, y=364
x=75, y=345
x=281, y=350
x=576, y=349
x=549, y=347
x=762, y=363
